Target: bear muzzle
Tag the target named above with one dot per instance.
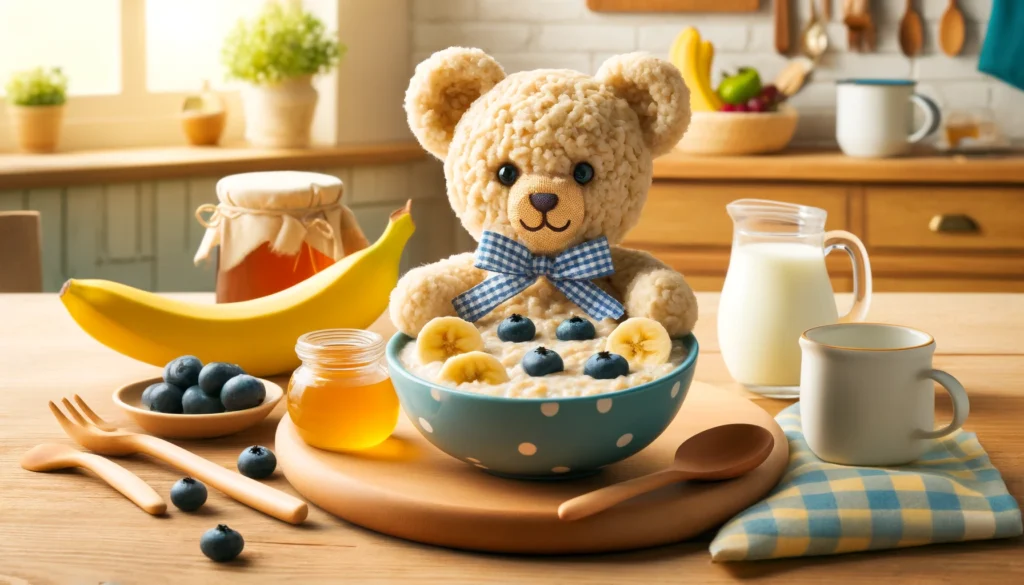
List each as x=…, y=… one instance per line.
x=546, y=213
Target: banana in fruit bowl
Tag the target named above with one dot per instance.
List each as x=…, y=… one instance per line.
x=259, y=335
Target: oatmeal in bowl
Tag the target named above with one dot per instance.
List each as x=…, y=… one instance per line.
x=489, y=395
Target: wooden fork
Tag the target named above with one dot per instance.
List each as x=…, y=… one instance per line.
x=92, y=432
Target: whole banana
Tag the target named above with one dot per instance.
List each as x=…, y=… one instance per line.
x=259, y=335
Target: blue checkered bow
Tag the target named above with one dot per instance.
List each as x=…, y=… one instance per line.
x=516, y=268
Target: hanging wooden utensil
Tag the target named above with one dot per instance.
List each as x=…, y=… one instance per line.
x=782, y=26
x=911, y=31
x=952, y=30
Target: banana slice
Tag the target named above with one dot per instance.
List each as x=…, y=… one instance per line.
x=444, y=337
x=475, y=366
x=643, y=342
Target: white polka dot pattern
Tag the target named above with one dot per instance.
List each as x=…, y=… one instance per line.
x=604, y=405
x=559, y=469
x=624, y=440
x=426, y=425
x=675, y=389
x=527, y=449
x=549, y=408
x=435, y=394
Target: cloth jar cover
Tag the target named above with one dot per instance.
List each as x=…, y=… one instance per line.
x=951, y=494
x=284, y=208
x=1002, y=54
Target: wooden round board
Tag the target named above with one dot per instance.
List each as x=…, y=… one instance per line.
x=409, y=489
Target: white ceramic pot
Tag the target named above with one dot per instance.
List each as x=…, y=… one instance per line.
x=280, y=115
x=37, y=128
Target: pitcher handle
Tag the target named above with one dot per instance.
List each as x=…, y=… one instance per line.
x=839, y=239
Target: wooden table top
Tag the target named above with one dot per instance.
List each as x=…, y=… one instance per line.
x=66, y=528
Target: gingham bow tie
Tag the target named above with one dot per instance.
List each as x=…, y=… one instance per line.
x=516, y=268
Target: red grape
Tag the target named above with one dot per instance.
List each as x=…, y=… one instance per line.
x=728, y=108
x=770, y=94
x=756, y=104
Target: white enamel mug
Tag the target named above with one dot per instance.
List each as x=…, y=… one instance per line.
x=866, y=393
x=874, y=117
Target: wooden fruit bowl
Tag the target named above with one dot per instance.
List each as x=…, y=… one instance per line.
x=735, y=133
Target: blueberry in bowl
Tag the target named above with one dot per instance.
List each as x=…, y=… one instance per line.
x=516, y=329
x=605, y=365
x=214, y=375
x=542, y=361
x=575, y=329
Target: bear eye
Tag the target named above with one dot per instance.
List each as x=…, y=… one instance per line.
x=507, y=174
x=583, y=173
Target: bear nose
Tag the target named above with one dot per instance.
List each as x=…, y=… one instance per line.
x=543, y=202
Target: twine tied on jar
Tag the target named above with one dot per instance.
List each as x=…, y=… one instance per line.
x=284, y=209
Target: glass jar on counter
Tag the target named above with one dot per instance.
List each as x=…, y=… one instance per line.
x=341, y=397
x=272, y=230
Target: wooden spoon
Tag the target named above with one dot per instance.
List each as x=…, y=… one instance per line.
x=911, y=31
x=718, y=453
x=51, y=456
x=782, y=26
x=952, y=30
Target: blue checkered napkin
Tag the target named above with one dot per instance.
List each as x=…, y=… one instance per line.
x=951, y=494
x=516, y=268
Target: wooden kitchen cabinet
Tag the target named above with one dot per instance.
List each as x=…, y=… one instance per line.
x=938, y=224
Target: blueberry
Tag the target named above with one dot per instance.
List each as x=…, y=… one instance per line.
x=516, y=328
x=188, y=494
x=257, y=462
x=575, y=329
x=147, y=394
x=214, y=375
x=542, y=361
x=166, y=398
x=242, y=392
x=221, y=544
x=183, y=372
x=195, y=401
x=605, y=365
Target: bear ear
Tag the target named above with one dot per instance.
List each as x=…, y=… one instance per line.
x=655, y=90
x=442, y=89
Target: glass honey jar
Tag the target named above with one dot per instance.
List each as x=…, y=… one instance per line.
x=341, y=397
x=272, y=230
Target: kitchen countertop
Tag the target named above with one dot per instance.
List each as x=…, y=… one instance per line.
x=68, y=528
x=833, y=166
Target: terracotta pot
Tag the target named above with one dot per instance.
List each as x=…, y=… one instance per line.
x=36, y=128
x=203, y=129
x=280, y=115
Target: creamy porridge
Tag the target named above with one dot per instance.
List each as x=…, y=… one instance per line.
x=570, y=382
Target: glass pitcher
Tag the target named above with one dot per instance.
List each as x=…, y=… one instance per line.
x=777, y=287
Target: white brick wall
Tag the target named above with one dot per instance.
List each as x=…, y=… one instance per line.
x=529, y=34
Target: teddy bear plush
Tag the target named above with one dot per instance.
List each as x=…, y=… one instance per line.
x=548, y=170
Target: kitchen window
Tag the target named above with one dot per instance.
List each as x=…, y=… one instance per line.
x=130, y=63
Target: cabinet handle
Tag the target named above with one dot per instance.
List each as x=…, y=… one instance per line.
x=953, y=224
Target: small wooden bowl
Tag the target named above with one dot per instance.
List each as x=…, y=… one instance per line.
x=736, y=133
x=193, y=426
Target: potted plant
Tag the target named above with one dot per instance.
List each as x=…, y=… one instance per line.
x=35, y=104
x=276, y=54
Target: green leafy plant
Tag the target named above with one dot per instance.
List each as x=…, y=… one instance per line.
x=282, y=41
x=37, y=87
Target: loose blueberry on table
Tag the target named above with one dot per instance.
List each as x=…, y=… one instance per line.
x=188, y=494
x=183, y=372
x=257, y=462
x=166, y=398
x=214, y=375
x=516, y=329
x=242, y=392
x=542, y=361
x=605, y=365
x=195, y=401
x=575, y=329
x=221, y=544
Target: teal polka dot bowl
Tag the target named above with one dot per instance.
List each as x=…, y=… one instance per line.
x=541, y=438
